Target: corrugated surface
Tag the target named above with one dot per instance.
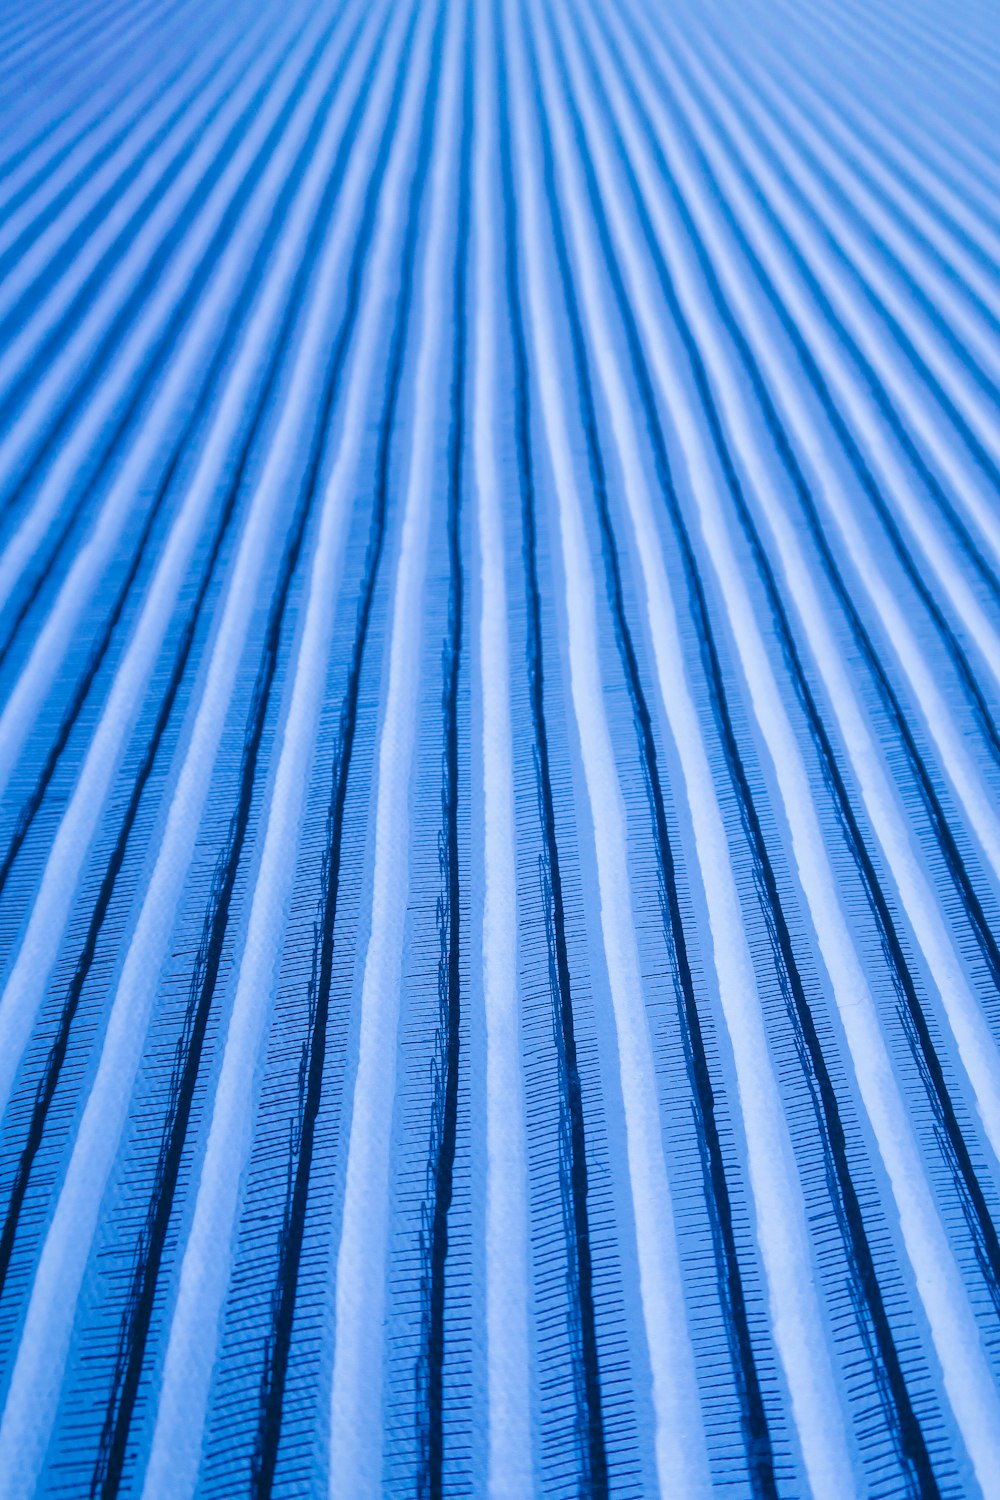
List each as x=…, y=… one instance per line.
x=499, y=751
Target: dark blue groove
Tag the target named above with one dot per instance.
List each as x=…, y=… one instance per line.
x=148, y=1258
x=853, y=451
x=435, y=1245
x=183, y=445
x=940, y=825
x=56, y=1058
x=956, y=1149
x=593, y=1478
x=146, y=282
x=271, y=1408
x=129, y=415
x=755, y=1434
x=907, y=1435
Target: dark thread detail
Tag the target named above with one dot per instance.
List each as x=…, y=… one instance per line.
x=753, y=1417
x=57, y=1053
x=283, y=1299
x=444, y=1131
x=135, y=1325
x=593, y=1481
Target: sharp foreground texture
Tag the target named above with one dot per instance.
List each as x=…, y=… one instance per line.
x=499, y=748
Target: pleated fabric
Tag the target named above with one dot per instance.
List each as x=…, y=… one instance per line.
x=499, y=749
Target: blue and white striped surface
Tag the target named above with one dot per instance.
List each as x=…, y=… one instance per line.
x=499, y=749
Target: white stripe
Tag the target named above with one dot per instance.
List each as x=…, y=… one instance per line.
x=112, y=390
x=967, y=1377
x=681, y=1460
x=798, y=1325
x=356, y=1433
x=858, y=407
x=882, y=805
x=204, y=1276
x=26, y=983
x=34, y=1387
x=57, y=633
x=785, y=385
x=509, y=1369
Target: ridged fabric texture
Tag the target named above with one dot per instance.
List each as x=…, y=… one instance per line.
x=499, y=749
